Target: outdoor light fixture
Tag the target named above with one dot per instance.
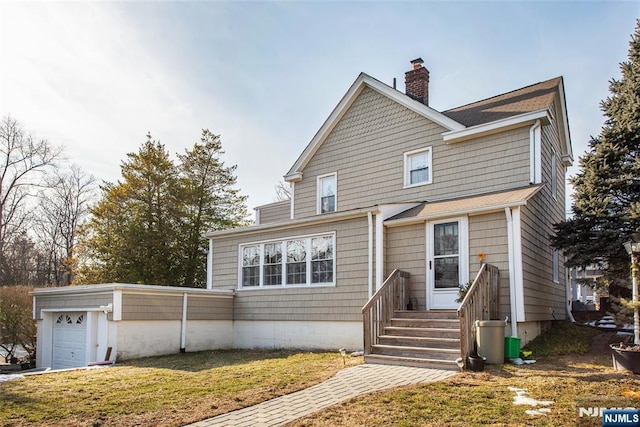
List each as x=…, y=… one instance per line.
x=343, y=353
x=633, y=249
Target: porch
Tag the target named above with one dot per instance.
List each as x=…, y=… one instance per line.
x=434, y=338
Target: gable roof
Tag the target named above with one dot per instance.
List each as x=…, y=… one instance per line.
x=528, y=99
x=365, y=80
x=512, y=109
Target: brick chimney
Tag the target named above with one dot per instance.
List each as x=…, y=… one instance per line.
x=416, y=82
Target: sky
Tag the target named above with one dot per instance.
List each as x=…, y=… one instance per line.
x=96, y=77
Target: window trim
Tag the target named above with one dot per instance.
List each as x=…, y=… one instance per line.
x=319, y=193
x=407, y=166
x=308, y=260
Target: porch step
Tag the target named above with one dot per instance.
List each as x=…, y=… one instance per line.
x=419, y=338
x=431, y=314
x=417, y=341
x=407, y=331
x=411, y=361
x=425, y=323
x=416, y=352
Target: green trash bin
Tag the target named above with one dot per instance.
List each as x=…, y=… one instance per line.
x=490, y=340
x=511, y=347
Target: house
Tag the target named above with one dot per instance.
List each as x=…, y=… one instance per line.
x=390, y=183
x=393, y=206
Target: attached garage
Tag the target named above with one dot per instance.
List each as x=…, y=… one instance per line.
x=69, y=340
x=78, y=325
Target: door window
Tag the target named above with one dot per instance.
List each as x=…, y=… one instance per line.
x=446, y=255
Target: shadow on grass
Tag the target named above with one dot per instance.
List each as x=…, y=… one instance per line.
x=210, y=359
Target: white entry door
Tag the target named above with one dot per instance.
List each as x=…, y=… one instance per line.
x=447, y=262
x=69, y=340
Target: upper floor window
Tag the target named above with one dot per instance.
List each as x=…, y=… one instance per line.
x=296, y=261
x=327, y=192
x=417, y=167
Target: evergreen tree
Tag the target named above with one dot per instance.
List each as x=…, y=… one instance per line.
x=211, y=202
x=606, y=202
x=135, y=225
x=148, y=227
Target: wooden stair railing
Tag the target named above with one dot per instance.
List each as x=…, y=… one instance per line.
x=377, y=312
x=480, y=303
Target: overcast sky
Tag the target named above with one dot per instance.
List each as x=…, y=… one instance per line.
x=95, y=77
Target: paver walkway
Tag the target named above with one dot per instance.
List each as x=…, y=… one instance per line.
x=347, y=383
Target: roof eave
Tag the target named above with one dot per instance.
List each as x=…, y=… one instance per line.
x=316, y=219
x=495, y=207
x=501, y=125
x=567, y=158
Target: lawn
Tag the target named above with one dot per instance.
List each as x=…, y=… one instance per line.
x=169, y=390
x=566, y=372
x=180, y=389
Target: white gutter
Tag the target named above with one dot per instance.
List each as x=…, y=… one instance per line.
x=535, y=155
x=210, y=266
x=183, y=327
x=313, y=220
x=501, y=125
x=512, y=279
x=568, y=294
x=517, y=258
x=379, y=250
x=293, y=195
x=370, y=254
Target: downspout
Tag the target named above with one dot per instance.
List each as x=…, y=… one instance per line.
x=292, y=207
x=379, y=251
x=512, y=274
x=210, y=265
x=569, y=296
x=183, y=329
x=535, y=155
x=370, y=253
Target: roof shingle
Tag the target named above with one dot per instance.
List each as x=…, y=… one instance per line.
x=527, y=99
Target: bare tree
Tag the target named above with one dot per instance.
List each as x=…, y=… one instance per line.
x=23, y=161
x=64, y=206
x=283, y=191
x=17, y=328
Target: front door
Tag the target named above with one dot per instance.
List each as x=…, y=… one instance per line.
x=447, y=262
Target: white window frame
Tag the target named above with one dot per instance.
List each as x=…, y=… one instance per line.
x=308, y=247
x=407, y=166
x=320, y=195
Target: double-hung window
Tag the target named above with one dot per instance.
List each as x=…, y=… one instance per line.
x=327, y=192
x=272, y=264
x=322, y=259
x=417, y=167
x=250, y=266
x=295, y=261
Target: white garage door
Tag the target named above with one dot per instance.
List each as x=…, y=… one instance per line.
x=69, y=340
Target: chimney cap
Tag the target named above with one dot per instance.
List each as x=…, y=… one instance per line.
x=417, y=63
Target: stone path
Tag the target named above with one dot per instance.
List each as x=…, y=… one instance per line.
x=347, y=383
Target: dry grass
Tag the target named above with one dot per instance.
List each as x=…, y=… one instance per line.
x=168, y=391
x=181, y=389
x=470, y=399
